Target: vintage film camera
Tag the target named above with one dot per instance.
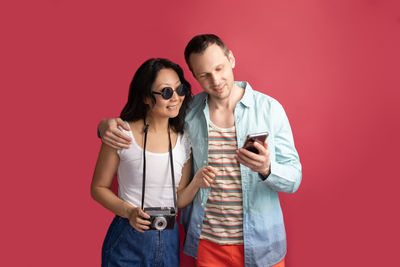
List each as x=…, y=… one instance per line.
x=161, y=217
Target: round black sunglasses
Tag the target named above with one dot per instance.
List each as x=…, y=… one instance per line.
x=168, y=92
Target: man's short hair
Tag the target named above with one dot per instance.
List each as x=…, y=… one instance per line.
x=199, y=44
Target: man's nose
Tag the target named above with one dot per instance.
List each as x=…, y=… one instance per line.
x=214, y=79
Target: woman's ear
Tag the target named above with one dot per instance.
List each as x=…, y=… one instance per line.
x=148, y=101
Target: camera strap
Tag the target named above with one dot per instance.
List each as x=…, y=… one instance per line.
x=144, y=164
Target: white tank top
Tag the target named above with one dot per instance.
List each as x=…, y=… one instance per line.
x=158, y=173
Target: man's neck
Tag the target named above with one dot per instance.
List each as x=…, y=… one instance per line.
x=222, y=110
x=228, y=103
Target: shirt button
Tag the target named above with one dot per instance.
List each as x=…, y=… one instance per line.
x=198, y=225
x=205, y=162
x=202, y=204
x=205, y=138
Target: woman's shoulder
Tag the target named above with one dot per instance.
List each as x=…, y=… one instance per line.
x=130, y=125
x=185, y=144
x=135, y=128
x=184, y=136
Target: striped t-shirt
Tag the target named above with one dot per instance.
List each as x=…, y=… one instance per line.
x=223, y=218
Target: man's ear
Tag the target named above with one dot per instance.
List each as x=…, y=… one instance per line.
x=231, y=59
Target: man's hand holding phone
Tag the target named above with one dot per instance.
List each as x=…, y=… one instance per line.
x=255, y=154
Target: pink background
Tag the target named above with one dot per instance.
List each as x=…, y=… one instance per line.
x=334, y=65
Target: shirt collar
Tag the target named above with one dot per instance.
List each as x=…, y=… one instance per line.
x=247, y=98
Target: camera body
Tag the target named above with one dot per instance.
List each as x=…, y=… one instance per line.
x=161, y=217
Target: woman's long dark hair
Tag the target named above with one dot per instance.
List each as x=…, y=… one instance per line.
x=140, y=89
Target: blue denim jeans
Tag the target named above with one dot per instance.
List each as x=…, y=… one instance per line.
x=124, y=246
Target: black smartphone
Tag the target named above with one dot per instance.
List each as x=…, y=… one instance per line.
x=251, y=138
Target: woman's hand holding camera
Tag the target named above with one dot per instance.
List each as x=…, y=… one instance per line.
x=138, y=219
x=205, y=176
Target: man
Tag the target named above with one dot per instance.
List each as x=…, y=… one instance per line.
x=238, y=220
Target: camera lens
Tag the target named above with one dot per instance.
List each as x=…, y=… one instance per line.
x=160, y=223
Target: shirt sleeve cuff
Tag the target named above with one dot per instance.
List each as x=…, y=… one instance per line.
x=262, y=177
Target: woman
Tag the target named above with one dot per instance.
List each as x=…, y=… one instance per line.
x=158, y=99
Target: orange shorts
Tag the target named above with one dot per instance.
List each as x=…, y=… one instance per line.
x=211, y=254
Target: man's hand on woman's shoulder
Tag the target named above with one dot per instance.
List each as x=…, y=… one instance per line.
x=111, y=135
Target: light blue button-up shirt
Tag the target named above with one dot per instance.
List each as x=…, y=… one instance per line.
x=263, y=228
